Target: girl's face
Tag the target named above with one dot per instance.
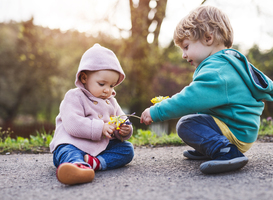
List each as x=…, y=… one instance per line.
x=195, y=51
x=100, y=83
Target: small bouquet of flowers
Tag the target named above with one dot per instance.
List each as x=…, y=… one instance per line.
x=118, y=120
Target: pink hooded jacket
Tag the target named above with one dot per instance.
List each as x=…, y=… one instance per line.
x=82, y=116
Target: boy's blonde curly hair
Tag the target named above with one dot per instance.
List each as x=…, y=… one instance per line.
x=202, y=21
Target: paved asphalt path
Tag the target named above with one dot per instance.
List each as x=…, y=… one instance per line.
x=154, y=174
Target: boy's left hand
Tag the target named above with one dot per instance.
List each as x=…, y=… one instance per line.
x=125, y=130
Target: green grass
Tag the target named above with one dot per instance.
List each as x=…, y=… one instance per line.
x=40, y=142
x=147, y=137
x=266, y=127
x=36, y=144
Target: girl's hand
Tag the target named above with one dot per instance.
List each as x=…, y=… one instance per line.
x=125, y=130
x=146, y=117
x=108, y=130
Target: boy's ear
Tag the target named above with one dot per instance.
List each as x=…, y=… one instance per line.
x=209, y=39
x=83, y=77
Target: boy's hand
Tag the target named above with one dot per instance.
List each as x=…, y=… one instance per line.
x=146, y=117
x=108, y=130
x=125, y=130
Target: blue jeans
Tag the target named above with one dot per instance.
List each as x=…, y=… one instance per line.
x=116, y=154
x=202, y=133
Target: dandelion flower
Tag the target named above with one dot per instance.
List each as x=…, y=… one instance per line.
x=158, y=99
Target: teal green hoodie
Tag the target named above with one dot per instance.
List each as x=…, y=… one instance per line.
x=225, y=85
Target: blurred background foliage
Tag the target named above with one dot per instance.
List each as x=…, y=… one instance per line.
x=38, y=66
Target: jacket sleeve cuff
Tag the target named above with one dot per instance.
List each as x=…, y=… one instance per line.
x=154, y=113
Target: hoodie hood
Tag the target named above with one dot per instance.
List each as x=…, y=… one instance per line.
x=258, y=83
x=99, y=58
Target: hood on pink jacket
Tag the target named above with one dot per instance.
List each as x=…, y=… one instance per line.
x=99, y=58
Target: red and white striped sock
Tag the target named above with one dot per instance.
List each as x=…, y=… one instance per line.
x=92, y=161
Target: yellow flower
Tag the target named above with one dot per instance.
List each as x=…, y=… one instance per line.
x=116, y=120
x=158, y=99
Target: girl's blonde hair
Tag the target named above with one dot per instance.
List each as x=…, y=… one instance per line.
x=201, y=22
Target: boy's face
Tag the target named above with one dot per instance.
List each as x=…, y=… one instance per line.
x=100, y=83
x=195, y=51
